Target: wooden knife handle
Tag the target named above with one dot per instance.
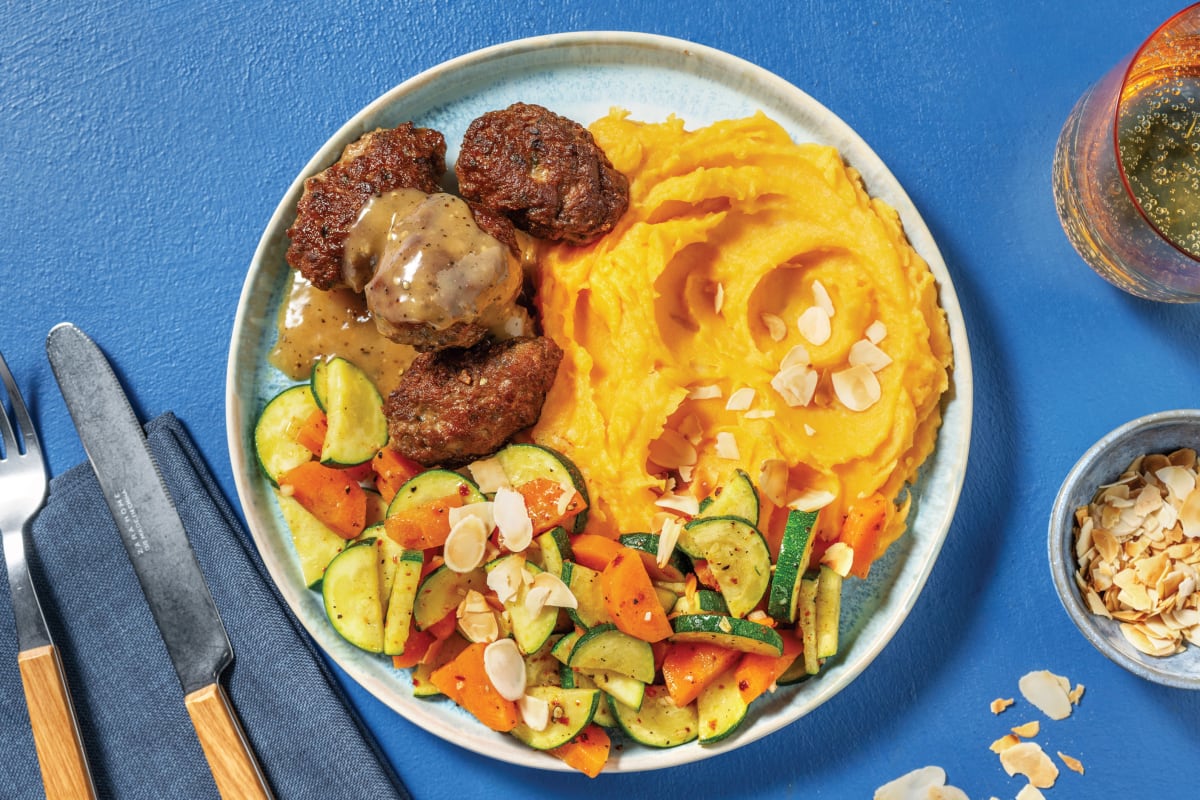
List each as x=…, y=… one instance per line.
x=230, y=758
x=65, y=772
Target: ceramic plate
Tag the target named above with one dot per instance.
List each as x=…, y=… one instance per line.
x=580, y=76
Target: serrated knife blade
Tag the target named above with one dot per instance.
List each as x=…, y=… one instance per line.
x=162, y=556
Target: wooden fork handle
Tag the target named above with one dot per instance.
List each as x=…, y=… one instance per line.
x=65, y=772
x=233, y=765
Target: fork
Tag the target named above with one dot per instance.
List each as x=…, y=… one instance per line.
x=23, y=484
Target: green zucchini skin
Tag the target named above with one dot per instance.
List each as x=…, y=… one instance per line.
x=523, y=463
x=606, y=648
x=736, y=553
x=794, y=553
x=720, y=709
x=729, y=632
x=274, y=448
x=571, y=711
x=658, y=722
x=737, y=498
x=351, y=594
x=357, y=427
x=431, y=485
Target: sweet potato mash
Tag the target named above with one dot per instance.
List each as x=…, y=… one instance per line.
x=690, y=333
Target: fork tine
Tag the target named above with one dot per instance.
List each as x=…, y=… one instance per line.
x=24, y=421
x=6, y=430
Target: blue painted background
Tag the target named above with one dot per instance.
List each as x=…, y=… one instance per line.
x=143, y=147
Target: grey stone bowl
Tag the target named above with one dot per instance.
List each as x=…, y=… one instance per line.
x=1102, y=463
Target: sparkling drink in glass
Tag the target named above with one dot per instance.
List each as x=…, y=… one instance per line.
x=1127, y=168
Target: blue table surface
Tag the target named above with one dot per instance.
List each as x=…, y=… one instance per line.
x=144, y=146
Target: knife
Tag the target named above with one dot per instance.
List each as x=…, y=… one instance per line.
x=162, y=557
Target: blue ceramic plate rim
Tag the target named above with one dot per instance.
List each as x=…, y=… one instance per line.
x=651, y=76
x=1102, y=463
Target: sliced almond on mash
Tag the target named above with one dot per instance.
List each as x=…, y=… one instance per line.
x=865, y=352
x=776, y=327
x=741, y=400
x=727, y=446
x=857, y=387
x=796, y=385
x=815, y=326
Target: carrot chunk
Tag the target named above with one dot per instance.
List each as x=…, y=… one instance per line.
x=630, y=598
x=690, y=667
x=424, y=526
x=755, y=672
x=863, y=530
x=549, y=504
x=392, y=470
x=464, y=680
x=593, y=550
x=330, y=495
x=587, y=752
x=311, y=432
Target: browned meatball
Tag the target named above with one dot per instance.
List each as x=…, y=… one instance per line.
x=544, y=171
x=404, y=157
x=456, y=405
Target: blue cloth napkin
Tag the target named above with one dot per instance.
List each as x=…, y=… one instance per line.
x=136, y=731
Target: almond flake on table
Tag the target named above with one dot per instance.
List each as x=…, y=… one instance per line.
x=1073, y=764
x=999, y=704
x=1004, y=742
x=1030, y=792
x=926, y=783
x=1047, y=692
x=1028, y=759
x=1027, y=730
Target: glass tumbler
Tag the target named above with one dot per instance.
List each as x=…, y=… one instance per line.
x=1127, y=167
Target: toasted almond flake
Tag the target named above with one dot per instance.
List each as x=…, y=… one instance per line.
x=535, y=712
x=796, y=385
x=1045, y=691
x=719, y=298
x=506, y=578
x=857, y=387
x=672, y=450
x=946, y=793
x=1004, y=742
x=776, y=327
x=725, y=625
x=915, y=784
x=1073, y=764
x=866, y=353
x=727, y=446
x=683, y=503
x=741, y=400
x=773, y=480
x=1028, y=730
x=1000, y=703
x=535, y=599
x=839, y=557
x=476, y=619
x=505, y=668
x=489, y=475
x=1030, y=792
x=1028, y=759
x=796, y=357
x=1179, y=480
x=465, y=544
x=1189, y=515
x=811, y=500
x=809, y=430
x=482, y=510
x=760, y=413
x=668, y=536
x=821, y=298
x=558, y=594
x=705, y=393
x=814, y=325
x=876, y=332
x=512, y=519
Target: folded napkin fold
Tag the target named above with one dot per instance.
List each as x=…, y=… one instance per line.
x=137, y=733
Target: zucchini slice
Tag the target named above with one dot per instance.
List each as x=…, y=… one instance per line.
x=703, y=601
x=554, y=547
x=316, y=545
x=561, y=649
x=542, y=668
x=275, y=444
x=351, y=594
x=736, y=553
x=574, y=679
x=441, y=591
x=524, y=462
x=806, y=622
x=738, y=498
x=354, y=409
x=829, y=611
x=621, y=688
x=659, y=722
x=570, y=712
x=434, y=484
x=406, y=577
x=584, y=583
x=606, y=648
x=794, y=553
x=720, y=708
x=732, y=633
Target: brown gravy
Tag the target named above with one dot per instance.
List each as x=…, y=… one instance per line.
x=313, y=324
